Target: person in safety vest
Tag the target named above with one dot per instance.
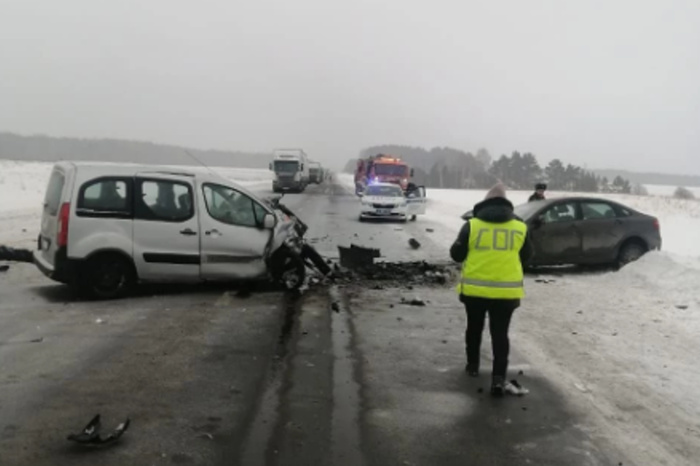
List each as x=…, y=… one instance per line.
x=492, y=247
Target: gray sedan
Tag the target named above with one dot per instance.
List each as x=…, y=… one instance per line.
x=587, y=231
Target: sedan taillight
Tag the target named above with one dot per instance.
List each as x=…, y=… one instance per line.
x=657, y=225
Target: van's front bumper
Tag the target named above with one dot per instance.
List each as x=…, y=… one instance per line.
x=62, y=270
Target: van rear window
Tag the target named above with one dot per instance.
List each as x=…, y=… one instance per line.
x=54, y=192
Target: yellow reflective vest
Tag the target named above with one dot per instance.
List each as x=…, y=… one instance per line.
x=493, y=268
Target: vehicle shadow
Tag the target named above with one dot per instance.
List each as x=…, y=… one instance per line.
x=57, y=293
x=572, y=270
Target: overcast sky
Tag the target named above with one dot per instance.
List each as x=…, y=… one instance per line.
x=602, y=83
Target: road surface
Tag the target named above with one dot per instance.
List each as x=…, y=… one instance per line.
x=212, y=376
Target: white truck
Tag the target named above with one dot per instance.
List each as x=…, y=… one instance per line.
x=291, y=169
x=315, y=172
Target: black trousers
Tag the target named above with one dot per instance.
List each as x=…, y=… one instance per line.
x=500, y=312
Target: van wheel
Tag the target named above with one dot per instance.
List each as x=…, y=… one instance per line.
x=108, y=276
x=631, y=252
x=293, y=272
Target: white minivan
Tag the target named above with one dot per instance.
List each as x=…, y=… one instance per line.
x=106, y=226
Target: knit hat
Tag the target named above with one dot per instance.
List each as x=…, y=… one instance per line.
x=497, y=191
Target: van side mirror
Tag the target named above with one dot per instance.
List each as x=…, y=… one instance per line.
x=269, y=222
x=412, y=172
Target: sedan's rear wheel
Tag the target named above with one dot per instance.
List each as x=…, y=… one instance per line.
x=631, y=252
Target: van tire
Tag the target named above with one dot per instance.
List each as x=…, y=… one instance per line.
x=108, y=276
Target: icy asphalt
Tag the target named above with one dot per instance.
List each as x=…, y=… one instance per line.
x=211, y=377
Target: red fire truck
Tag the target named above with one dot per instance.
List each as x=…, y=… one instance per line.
x=382, y=168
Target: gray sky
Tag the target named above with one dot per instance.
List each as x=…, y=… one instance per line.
x=603, y=83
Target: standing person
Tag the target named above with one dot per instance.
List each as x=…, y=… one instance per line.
x=538, y=195
x=492, y=246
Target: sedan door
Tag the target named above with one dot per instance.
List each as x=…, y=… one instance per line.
x=556, y=236
x=602, y=230
x=234, y=241
x=166, y=230
x=416, y=201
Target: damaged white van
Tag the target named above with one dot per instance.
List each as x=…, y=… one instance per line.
x=106, y=226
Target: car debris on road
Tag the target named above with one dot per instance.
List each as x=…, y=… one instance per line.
x=16, y=255
x=90, y=435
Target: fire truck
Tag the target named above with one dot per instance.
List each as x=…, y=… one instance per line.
x=382, y=168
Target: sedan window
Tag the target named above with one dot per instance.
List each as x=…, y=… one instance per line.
x=384, y=191
x=595, y=210
x=559, y=213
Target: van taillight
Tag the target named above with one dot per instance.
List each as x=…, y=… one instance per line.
x=63, y=217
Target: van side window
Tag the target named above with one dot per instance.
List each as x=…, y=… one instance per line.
x=232, y=207
x=53, y=193
x=102, y=197
x=164, y=200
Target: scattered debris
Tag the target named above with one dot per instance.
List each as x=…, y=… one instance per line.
x=444, y=342
x=413, y=302
x=391, y=306
x=90, y=435
x=574, y=333
x=4, y=268
x=614, y=334
x=356, y=257
x=100, y=321
x=16, y=255
x=521, y=373
x=524, y=408
x=429, y=230
x=481, y=390
x=400, y=274
x=414, y=243
x=514, y=388
x=206, y=435
x=682, y=307
x=545, y=280
x=37, y=340
x=377, y=287
x=582, y=388
x=579, y=312
x=335, y=306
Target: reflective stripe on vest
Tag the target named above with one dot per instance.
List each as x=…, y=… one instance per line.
x=492, y=268
x=470, y=281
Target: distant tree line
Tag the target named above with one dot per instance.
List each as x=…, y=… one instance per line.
x=454, y=169
x=50, y=149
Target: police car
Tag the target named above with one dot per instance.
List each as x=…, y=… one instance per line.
x=388, y=201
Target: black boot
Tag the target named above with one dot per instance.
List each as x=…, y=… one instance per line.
x=472, y=370
x=498, y=386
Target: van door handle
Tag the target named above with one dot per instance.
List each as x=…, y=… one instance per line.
x=188, y=232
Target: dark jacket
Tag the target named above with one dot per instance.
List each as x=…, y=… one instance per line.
x=496, y=210
x=536, y=197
